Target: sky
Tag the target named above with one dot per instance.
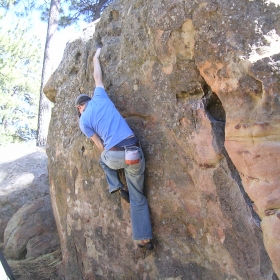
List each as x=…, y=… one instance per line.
x=61, y=37
x=39, y=28
x=276, y=2
x=64, y=35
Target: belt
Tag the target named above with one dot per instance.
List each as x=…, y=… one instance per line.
x=117, y=149
x=122, y=148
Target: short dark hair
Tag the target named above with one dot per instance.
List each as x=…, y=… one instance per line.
x=82, y=99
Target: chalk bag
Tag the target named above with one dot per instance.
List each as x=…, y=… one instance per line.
x=132, y=155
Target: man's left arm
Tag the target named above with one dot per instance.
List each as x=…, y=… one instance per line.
x=97, y=141
x=97, y=73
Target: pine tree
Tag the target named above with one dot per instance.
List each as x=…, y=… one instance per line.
x=73, y=11
x=45, y=104
x=19, y=83
x=89, y=11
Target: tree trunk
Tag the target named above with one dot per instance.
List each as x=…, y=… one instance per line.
x=99, y=6
x=44, y=114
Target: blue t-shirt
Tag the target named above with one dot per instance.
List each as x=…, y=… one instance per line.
x=101, y=117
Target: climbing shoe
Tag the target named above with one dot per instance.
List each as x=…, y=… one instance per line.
x=147, y=245
x=124, y=195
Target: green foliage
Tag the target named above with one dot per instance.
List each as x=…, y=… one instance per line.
x=73, y=11
x=20, y=76
x=86, y=10
x=20, y=7
x=6, y=3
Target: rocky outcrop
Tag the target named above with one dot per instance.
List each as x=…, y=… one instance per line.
x=198, y=81
x=32, y=231
x=28, y=233
x=23, y=178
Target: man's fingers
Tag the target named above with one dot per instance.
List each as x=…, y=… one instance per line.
x=97, y=52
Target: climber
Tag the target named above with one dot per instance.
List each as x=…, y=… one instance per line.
x=103, y=124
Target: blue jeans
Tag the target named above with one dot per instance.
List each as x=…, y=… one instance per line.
x=111, y=161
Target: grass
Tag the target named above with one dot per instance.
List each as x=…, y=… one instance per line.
x=42, y=268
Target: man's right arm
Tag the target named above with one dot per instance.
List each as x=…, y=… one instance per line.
x=97, y=73
x=97, y=141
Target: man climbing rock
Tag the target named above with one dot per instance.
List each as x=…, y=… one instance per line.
x=103, y=124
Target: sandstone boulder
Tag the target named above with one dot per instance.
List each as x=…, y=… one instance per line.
x=32, y=231
x=23, y=178
x=198, y=82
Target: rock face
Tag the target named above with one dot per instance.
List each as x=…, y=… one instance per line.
x=27, y=224
x=32, y=231
x=198, y=82
x=23, y=178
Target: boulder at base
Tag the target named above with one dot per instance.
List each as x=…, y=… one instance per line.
x=32, y=231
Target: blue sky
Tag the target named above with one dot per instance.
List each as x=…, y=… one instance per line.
x=39, y=29
x=61, y=38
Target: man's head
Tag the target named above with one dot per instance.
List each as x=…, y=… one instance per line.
x=80, y=102
x=82, y=99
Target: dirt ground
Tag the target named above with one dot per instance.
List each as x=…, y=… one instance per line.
x=15, y=151
x=15, y=163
